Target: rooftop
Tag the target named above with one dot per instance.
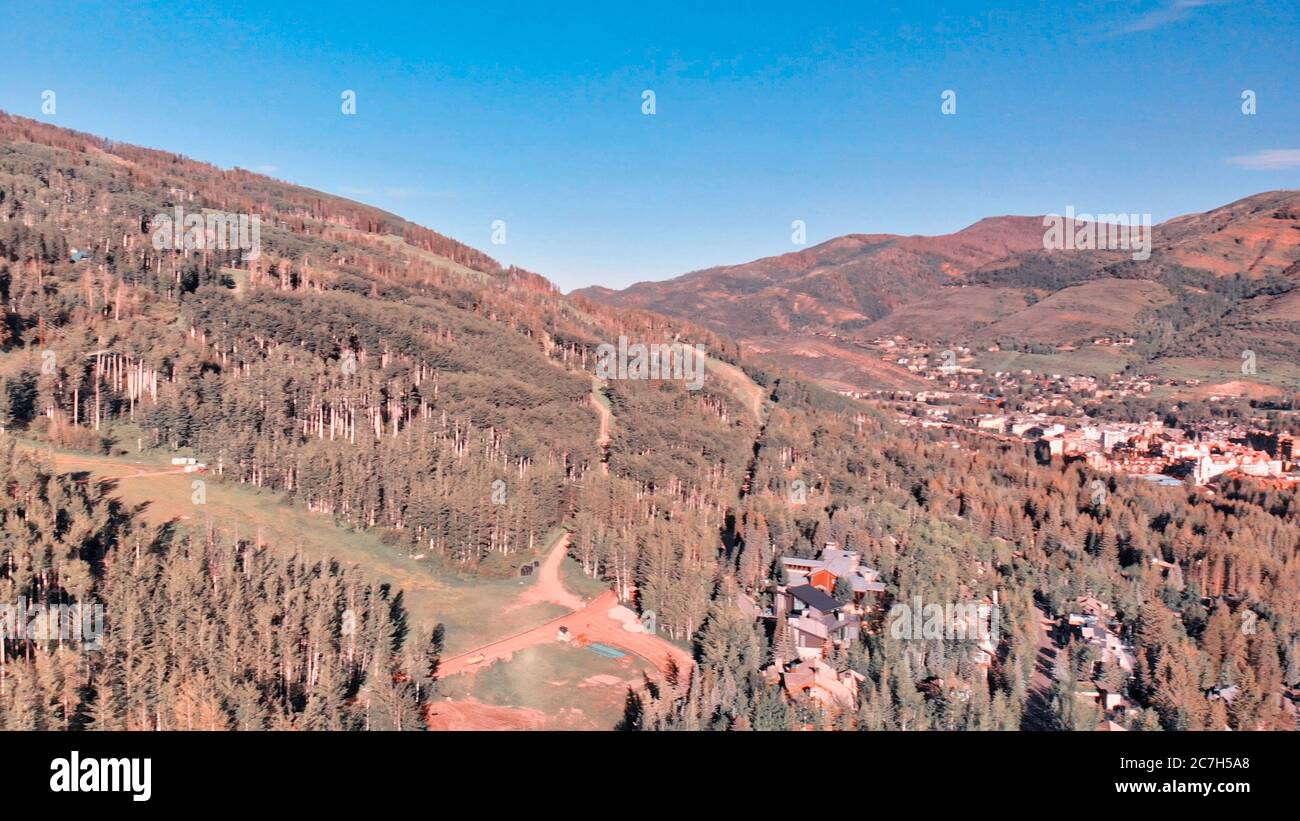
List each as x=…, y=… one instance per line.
x=814, y=598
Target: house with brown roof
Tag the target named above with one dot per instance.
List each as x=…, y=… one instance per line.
x=835, y=564
x=816, y=680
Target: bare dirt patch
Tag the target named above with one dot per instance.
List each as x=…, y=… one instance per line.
x=469, y=714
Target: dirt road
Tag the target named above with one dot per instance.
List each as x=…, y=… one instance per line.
x=548, y=587
x=589, y=619
x=594, y=623
x=606, y=416
x=65, y=462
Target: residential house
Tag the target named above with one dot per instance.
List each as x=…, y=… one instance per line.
x=1095, y=630
x=834, y=564
x=817, y=622
x=816, y=680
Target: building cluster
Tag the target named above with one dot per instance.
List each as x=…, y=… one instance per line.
x=1203, y=453
x=1093, y=624
x=1154, y=451
x=1062, y=418
x=820, y=604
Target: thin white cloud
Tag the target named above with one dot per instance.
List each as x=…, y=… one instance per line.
x=1170, y=11
x=1268, y=159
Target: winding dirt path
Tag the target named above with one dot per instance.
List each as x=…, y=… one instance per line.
x=606, y=417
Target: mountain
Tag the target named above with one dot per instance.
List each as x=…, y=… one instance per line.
x=846, y=282
x=1210, y=281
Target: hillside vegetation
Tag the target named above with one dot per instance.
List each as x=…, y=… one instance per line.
x=384, y=378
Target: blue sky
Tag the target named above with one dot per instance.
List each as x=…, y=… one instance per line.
x=771, y=112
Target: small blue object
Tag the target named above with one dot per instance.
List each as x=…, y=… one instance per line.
x=606, y=651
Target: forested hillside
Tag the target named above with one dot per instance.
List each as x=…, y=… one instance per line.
x=385, y=383
x=198, y=632
x=372, y=370
x=390, y=378
x=959, y=523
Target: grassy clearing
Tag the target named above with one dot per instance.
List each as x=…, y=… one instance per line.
x=472, y=609
x=1090, y=360
x=747, y=391
x=1269, y=371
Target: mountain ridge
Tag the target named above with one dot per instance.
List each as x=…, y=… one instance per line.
x=993, y=283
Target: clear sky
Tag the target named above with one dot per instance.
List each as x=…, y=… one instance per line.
x=764, y=113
